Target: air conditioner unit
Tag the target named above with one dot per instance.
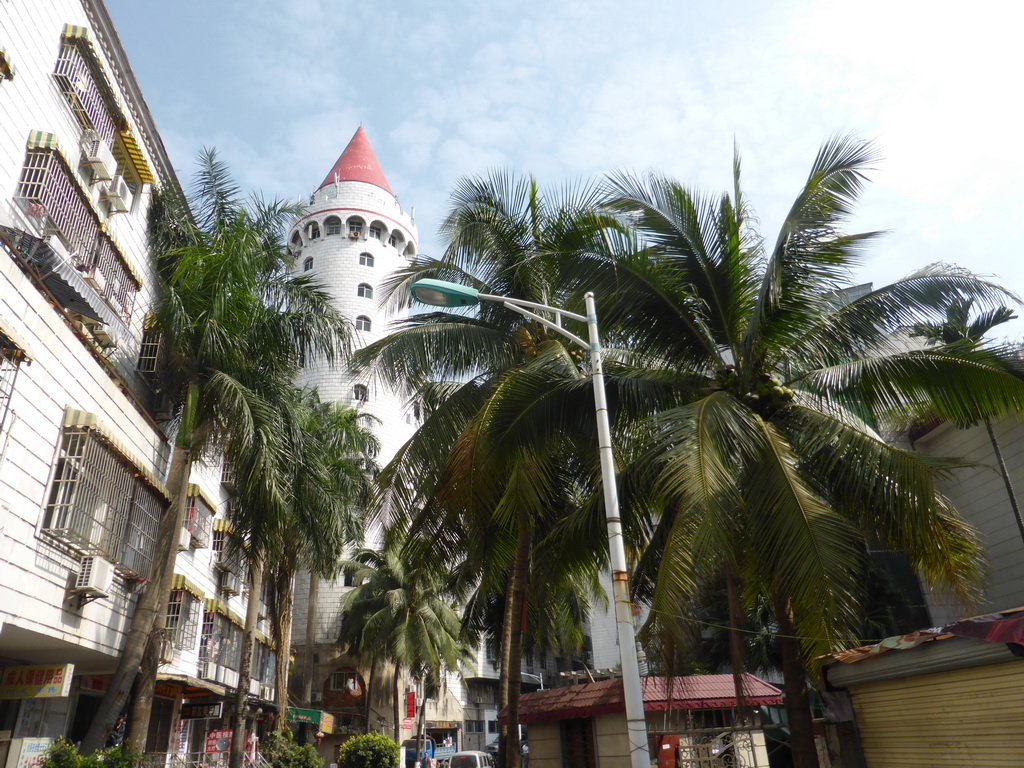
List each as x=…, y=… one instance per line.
x=118, y=195
x=94, y=277
x=184, y=539
x=97, y=155
x=101, y=332
x=95, y=577
x=267, y=692
x=230, y=583
x=353, y=235
x=166, y=651
x=315, y=697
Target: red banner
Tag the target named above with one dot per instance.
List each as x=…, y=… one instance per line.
x=410, y=704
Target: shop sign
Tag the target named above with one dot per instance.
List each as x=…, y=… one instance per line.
x=219, y=741
x=410, y=704
x=36, y=682
x=446, y=725
x=33, y=753
x=202, y=711
x=326, y=722
x=299, y=715
x=167, y=690
x=407, y=724
x=94, y=683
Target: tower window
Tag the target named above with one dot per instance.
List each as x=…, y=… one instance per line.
x=355, y=228
x=362, y=323
x=307, y=264
x=375, y=233
x=393, y=241
x=314, y=231
x=365, y=291
x=332, y=225
x=360, y=393
x=365, y=260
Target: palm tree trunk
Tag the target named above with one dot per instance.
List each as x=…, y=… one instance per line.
x=798, y=702
x=514, y=634
x=736, y=655
x=284, y=588
x=245, y=667
x=398, y=706
x=151, y=605
x=371, y=678
x=1006, y=477
x=307, y=658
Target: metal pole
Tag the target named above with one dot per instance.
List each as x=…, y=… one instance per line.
x=636, y=723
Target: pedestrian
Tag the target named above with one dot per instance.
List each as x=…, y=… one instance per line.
x=117, y=732
x=525, y=750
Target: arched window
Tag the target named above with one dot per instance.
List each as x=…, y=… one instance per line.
x=362, y=323
x=360, y=393
x=393, y=241
x=365, y=291
x=365, y=260
x=332, y=225
x=314, y=231
x=375, y=233
x=355, y=228
x=296, y=246
x=307, y=264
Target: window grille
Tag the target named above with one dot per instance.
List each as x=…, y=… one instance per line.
x=229, y=556
x=10, y=358
x=182, y=622
x=375, y=233
x=221, y=643
x=227, y=473
x=365, y=291
x=355, y=227
x=365, y=260
x=99, y=506
x=80, y=88
x=49, y=196
x=332, y=225
x=199, y=520
x=344, y=680
x=265, y=664
x=360, y=393
x=363, y=323
x=150, y=349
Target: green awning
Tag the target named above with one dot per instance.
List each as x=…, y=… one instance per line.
x=73, y=32
x=324, y=721
x=43, y=140
x=7, y=70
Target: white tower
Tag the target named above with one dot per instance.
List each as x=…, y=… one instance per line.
x=351, y=236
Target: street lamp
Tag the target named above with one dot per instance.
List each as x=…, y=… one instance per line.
x=439, y=293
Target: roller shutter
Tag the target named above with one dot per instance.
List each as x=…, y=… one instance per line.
x=965, y=717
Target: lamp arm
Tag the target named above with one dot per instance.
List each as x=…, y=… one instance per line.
x=532, y=305
x=543, y=320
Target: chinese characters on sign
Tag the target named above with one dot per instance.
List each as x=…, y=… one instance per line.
x=219, y=741
x=33, y=752
x=410, y=704
x=201, y=711
x=36, y=682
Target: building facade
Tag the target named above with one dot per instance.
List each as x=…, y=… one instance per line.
x=84, y=446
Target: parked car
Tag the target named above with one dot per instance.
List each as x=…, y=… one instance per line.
x=470, y=759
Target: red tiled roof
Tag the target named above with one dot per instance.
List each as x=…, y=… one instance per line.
x=660, y=693
x=358, y=163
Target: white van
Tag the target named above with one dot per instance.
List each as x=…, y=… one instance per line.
x=470, y=759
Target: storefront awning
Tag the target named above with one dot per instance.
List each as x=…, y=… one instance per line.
x=7, y=69
x=324, y=721
x=193, y=682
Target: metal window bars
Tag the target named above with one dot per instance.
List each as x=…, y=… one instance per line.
x=221, y=644
x=79, y=87
x=199, y=521
x=8, y=375
x=182, y=621
x=98, y=506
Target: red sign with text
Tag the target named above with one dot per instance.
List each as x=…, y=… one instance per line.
x=410, y=704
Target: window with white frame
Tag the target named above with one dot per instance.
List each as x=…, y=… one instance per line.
x=150, y=348
x=99, y=505
x=332, y=225
x=314, y=230
x=355, y=228
x=360, y=393
x=221, y=642
x=365, y=260
x=182, y=620
x=365, y=291
x=307, y=264
x=345, y=680
x=375, y=232
x=363, y=323
x=199, y=520
x=393, y=241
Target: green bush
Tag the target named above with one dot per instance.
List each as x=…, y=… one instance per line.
x=371, y=750
x=278, y=749
x=63, y=754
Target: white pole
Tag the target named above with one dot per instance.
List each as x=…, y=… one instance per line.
x=635, y=720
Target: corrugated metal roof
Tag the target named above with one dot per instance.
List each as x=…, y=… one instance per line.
x=660, y=693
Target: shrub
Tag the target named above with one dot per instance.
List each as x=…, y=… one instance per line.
x=63, y=754
x=371, y=750
x=279, y=750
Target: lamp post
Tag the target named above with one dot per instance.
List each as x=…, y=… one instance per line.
x=440, y=293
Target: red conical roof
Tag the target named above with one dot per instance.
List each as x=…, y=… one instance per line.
x=358, y=163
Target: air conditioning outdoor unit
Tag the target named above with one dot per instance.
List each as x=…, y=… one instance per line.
x=315, y=697
x=184, y=539
x=94, y=277
x=95, y=577
x=230, y=583
x=101, y=332
x=353, y=235
x=97, y=155
x=166, y=651
x=267, y=692
x=118, y=195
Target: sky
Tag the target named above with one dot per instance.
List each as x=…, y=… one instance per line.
x=568, y=90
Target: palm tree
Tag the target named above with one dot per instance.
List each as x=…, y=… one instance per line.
x=959, y=329
x=400, y=612
x=506, y=399
x=234, y=323
x=775, y=469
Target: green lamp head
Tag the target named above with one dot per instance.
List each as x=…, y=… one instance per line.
x=439, y=293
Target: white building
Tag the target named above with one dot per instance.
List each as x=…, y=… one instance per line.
x=83, y=450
